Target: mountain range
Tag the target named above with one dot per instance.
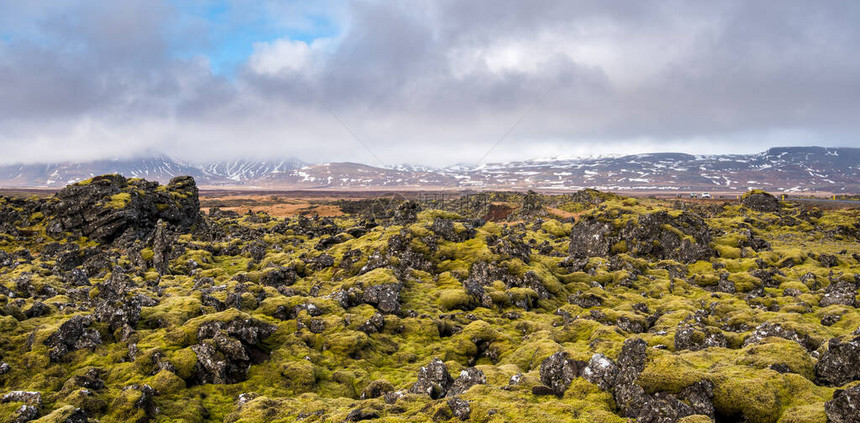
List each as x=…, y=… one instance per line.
x=787, y=169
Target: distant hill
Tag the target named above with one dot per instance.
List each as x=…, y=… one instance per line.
x=791, y=169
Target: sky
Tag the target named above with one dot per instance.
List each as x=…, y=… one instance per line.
x=428, y=82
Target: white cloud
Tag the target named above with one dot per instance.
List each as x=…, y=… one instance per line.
x=288, y=56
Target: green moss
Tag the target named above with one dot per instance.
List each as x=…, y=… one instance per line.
x=728, y=252
x=451, y=299
x=323, y=374
x=118, y=201
x=619, y=247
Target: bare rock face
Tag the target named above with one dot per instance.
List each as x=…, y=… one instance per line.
x=845, y=406
x=162, y=245
x=591, y=238
x=433, y=380
x=106, y=207
x=760, y=201
x=840, y=364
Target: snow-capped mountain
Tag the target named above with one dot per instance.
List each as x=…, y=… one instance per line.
x=158, y=168
x=248, y=170
x=790, y=169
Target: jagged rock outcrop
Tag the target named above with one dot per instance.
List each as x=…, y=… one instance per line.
x=620, y=378
x=227, y=349
x=406, y=213
x=74, y=334
x=107, y=207
x=840, y=291
x=659, y=235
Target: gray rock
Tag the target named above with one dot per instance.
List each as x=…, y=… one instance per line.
x=776, y=330
x=433, y=380
x=227, y=350
x=74, y=334
x=657, y=235
x=845, y=406
x=601, y=371
x=695, y=337
x=557, y=371
x=385, y=297
x=468, y=378
x=840, y=364
x=460, y=408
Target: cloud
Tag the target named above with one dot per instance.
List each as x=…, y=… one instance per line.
x=434, y=82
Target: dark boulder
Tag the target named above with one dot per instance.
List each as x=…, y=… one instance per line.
x=696, y=336
x=766, y=330
x=162, y=245
x=91, y=380
x=840, y=364
x=385, y=297
x=513, y=247
x=841, y=292
x=557, y=371
x=460, y=408
x=406, y=213
x=661, y=407
x=760, y=201
x=591, y=237
x=845, y=406
x=444, y=228
x=120, y=312
x=433, y=380
x=601, y=371
x=828, y=260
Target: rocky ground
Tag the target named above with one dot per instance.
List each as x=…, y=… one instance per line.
x=122, y=302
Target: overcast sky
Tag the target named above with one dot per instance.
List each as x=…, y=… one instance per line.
x=423, y=81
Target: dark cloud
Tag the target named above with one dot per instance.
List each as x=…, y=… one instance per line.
x=433, y=82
